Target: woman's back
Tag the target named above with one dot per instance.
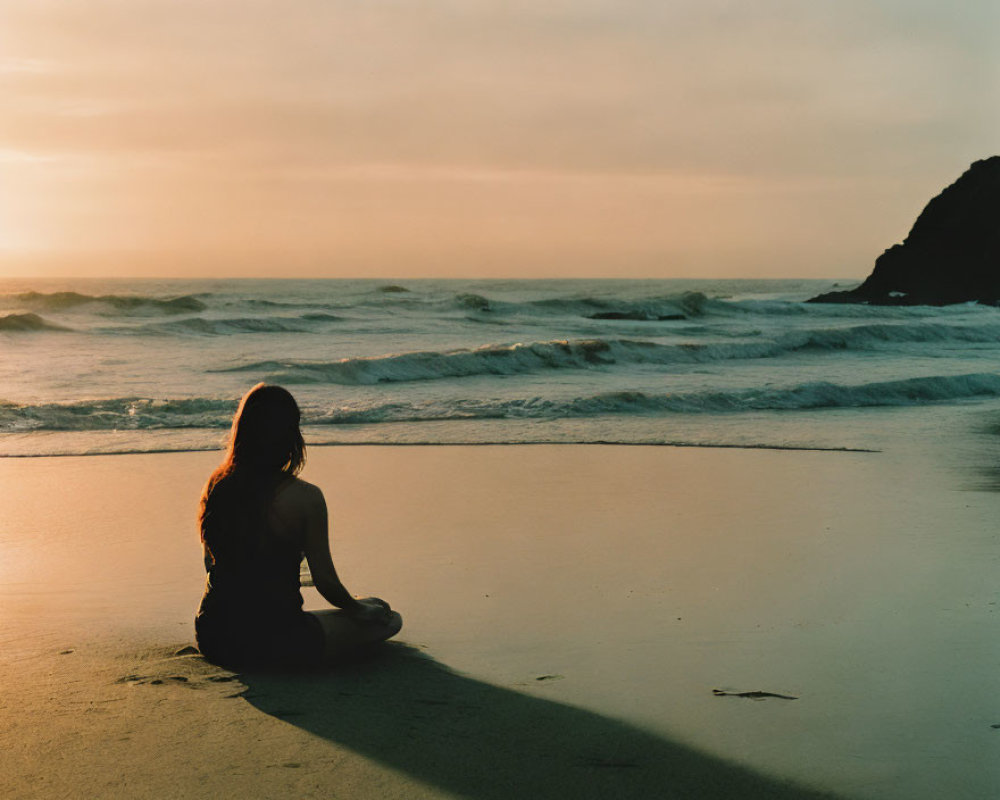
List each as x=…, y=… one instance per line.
x=252, y=594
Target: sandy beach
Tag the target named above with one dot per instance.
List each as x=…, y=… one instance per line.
x=569, y=611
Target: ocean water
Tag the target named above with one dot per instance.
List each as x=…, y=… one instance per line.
x=115, y=366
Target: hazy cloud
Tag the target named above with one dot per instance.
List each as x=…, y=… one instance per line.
x=344, y=120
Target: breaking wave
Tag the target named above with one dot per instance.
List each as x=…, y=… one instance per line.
x=807, y=396
x=134, y=413
x=522, y=358
x=120, y=413
x=432, y=364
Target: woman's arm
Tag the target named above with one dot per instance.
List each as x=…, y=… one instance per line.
x=317, y=549
x=301, y=507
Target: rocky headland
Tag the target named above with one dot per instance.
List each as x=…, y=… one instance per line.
x=951, y=255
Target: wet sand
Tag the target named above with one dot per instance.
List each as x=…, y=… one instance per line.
x=569, y=612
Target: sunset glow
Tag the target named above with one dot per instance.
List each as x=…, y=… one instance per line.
x=482, y=139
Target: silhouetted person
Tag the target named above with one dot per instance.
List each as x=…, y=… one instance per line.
x=258, y=519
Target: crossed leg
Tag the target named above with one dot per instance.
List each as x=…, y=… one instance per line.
x=345, y=637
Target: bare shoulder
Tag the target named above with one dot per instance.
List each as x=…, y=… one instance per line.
x=297, y=495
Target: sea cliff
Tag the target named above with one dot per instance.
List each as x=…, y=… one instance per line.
x=951, y=255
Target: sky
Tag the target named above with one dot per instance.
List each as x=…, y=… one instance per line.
x=461, y=138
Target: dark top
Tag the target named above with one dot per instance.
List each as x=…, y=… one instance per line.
x=251, y=613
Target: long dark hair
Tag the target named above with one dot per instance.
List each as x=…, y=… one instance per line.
x=265, y=445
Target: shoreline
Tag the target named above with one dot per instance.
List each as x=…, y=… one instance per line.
x=535, y=443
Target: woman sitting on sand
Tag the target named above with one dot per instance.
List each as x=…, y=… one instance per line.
x=257, y=521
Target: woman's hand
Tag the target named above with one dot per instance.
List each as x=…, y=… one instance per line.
x=371, y=609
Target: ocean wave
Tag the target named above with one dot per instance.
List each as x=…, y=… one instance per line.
x=674, y=306
x=120, y=413
x=373, y=296
x=680, y=305
x=472, y=302
x=204, y=326
x=260, y=302
x=802, y=397
x=498, y=359
x=522, y=358
x=22, y=323
x=61, y=301
x=860, y=337
x=695, y=304
x=656, y=308
x=139, y=414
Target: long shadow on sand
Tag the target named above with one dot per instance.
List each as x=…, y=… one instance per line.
x=412, y=714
